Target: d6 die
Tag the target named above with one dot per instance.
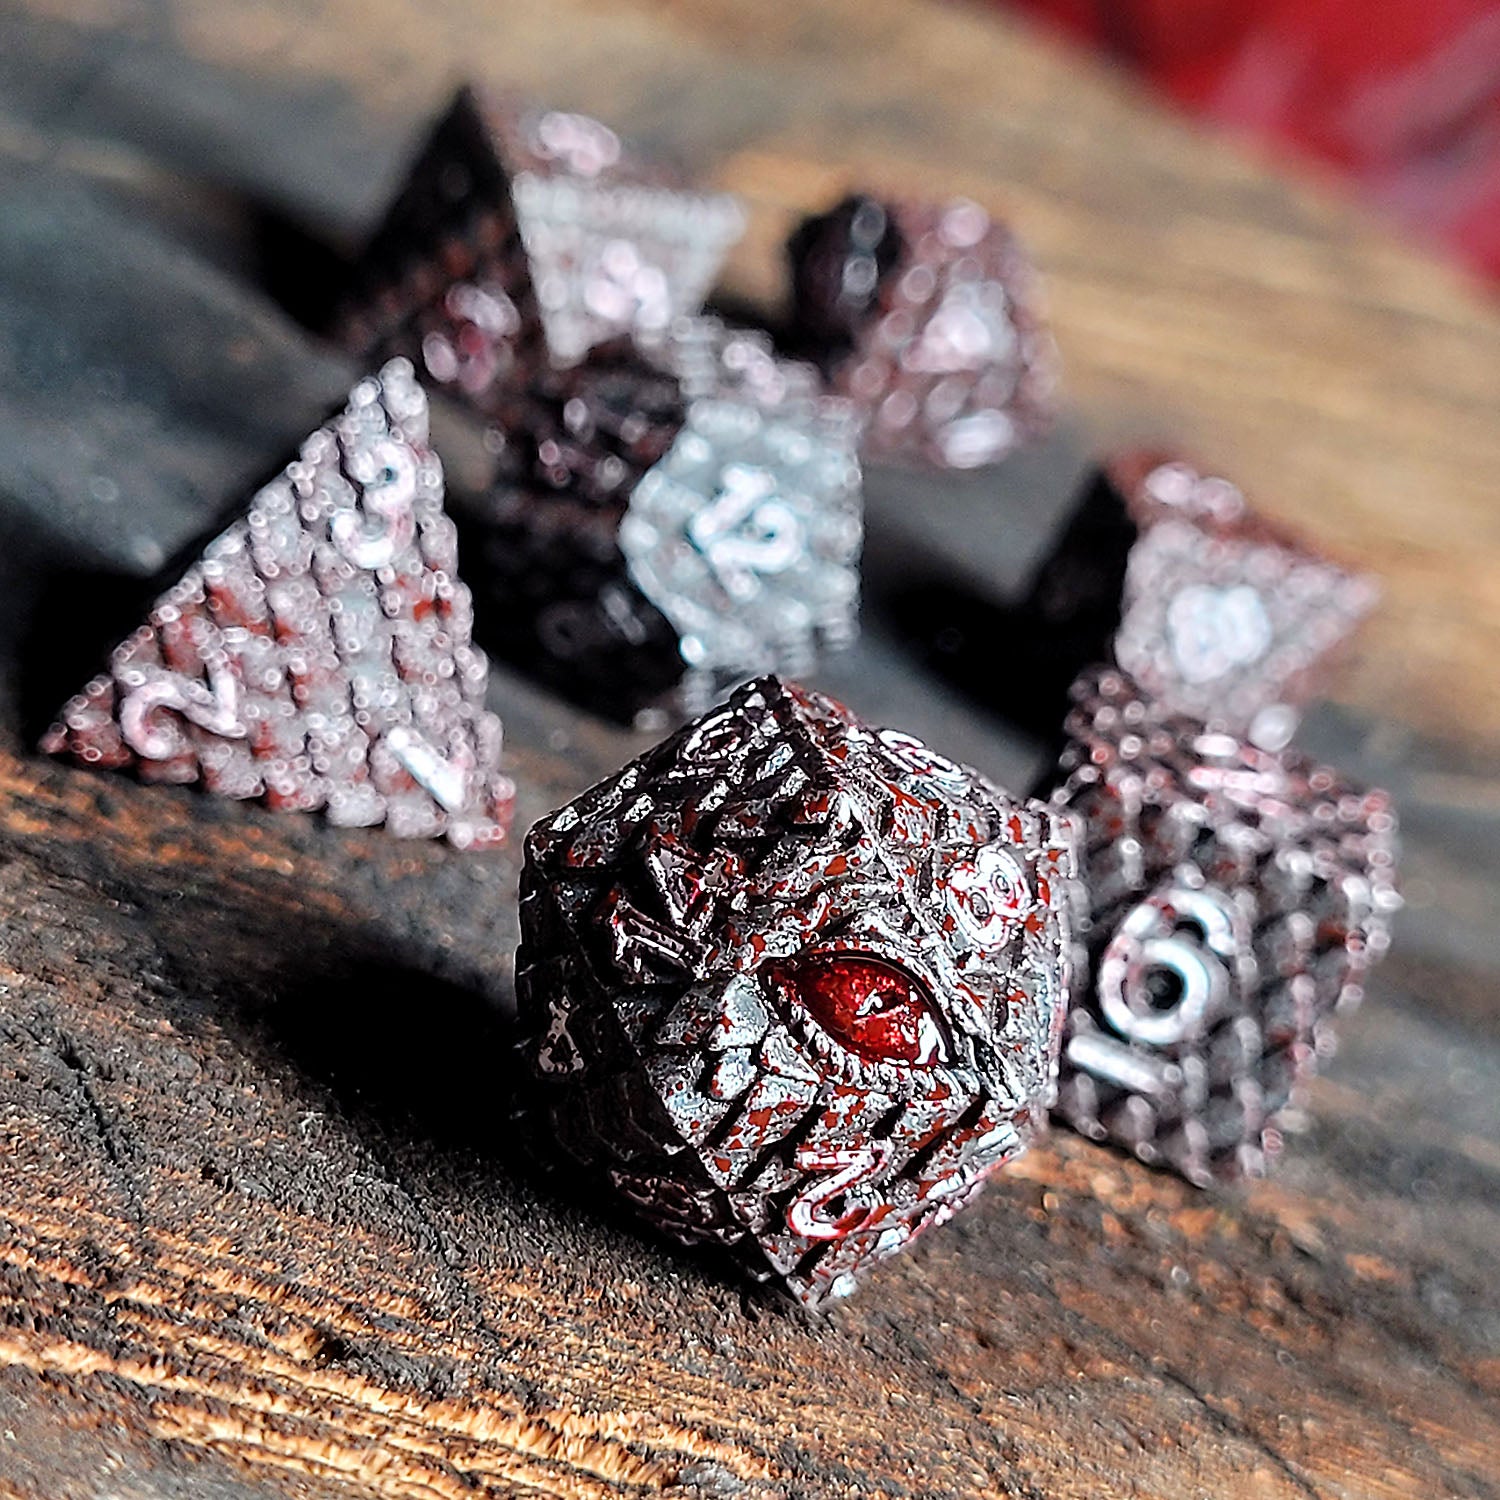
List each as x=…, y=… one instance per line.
x=794, y=984
x=928, y=317
x=1236, y=900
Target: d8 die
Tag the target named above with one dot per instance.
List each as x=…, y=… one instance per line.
x=644, y=553
x=524, y=233
x=445, y=281
x=619, y=246
x=1225, y=617
x=929, y=318
x=1236, y=900
x=1167, y=570
x=317, y=654
x=794, y=984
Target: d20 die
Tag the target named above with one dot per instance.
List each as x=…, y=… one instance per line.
x=317, y=655
x=793, y=984
x=1237, y=897
x=929, y=318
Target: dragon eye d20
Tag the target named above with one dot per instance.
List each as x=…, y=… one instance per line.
x=793, y=984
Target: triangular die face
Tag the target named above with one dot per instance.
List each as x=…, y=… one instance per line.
x=611, y=259
x=1220, y=627
x=318, y=654
x=620, y=246
x=445, y=280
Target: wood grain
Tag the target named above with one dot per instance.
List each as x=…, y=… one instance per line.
x=263, y=1228
x=260, y=1204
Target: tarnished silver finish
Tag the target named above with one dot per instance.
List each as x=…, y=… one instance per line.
x=618, y=246
x=445, y=280
x=522, y=237
x=714, y=360
x=318, y=654
x=793, y=984
x=929, y=318
x=1155, y=488
x=1224, y=618
x=747, y=536
x=1237, y=899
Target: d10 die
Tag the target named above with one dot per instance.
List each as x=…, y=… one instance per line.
x=929, y=318
x=1236, y=900
x=642, y=552
x=556, y=591
x=794, y=984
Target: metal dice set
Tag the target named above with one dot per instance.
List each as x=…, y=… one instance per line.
x=789, y=983
x=793, y=984
x=1237, y=891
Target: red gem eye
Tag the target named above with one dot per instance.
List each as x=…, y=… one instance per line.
x=873, y=1007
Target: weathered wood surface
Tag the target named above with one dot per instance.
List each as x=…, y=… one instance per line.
x=263, y=1226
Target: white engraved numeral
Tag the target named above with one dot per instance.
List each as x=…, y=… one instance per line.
x=746, y=531
x=214, y=707
x=388, y=472
x=841, y=1171
x=445, y=778
x=582, y=144
x=1214, y=630
x=1150, y=946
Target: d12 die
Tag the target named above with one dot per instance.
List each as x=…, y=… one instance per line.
x=929, y=318
x=794, y=984
x=1237, y=897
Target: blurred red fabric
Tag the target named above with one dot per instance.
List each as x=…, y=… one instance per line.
x=1403, y=96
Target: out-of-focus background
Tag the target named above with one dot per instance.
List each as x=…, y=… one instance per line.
x=1401, y=97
